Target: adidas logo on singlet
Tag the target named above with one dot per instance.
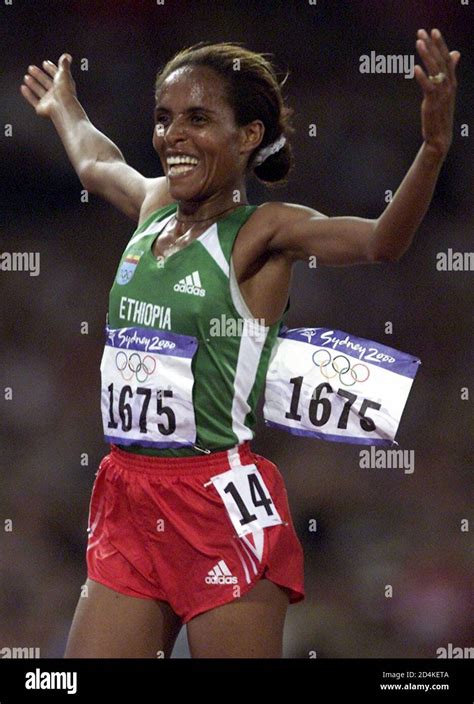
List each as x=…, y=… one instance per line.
x=190, y=284
x=220, y=574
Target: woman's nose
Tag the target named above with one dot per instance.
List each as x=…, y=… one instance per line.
x=174, y=131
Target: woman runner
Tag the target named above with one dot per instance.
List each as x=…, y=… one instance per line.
x=186, y=524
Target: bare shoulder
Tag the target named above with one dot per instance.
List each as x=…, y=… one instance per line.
x=272, y=216
x=281, y=213
x=157, y=196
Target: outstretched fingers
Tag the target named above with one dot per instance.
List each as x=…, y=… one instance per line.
x=423, y=80
x=38, y=81
x=28, y=94
x=437, y=59
x=50, y=68
x=447, y=64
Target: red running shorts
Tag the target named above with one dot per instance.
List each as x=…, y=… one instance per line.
x=196, y=532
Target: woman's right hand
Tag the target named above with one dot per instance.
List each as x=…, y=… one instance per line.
x=47, y=88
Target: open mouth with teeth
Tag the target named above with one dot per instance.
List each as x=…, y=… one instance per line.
x=181, y=165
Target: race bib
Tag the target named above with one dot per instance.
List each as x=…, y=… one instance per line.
x=331, y=385
x=147, y=388
x=247, y=499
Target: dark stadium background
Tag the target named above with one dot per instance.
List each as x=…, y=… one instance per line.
x=375, y=527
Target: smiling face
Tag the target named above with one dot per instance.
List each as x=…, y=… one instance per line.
x=202, y=150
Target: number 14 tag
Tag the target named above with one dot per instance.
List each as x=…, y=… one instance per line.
x=246, y=498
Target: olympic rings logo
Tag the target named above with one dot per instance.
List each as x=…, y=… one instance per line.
x=128, y=366
x=340, y=366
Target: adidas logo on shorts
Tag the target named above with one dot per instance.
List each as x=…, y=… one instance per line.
x=190, y=284
x=220, y=574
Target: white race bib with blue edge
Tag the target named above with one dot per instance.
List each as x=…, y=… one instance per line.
x=331, y=385
x=147, y=388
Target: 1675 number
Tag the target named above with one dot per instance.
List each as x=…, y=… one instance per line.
x=320, y=406
x=125, y=409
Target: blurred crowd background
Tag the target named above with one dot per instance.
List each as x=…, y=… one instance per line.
x=376, y=527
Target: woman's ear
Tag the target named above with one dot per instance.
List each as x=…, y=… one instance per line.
x=252, y=136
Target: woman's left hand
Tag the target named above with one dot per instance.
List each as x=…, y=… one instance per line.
x=437, y=108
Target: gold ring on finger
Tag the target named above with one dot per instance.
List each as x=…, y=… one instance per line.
x=439, y=78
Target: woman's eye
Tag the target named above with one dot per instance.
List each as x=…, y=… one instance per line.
x=198, y=118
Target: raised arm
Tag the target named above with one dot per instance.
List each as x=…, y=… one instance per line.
x=301, y=232
x=98, y=162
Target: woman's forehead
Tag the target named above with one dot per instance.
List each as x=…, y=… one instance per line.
x=198, y=84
